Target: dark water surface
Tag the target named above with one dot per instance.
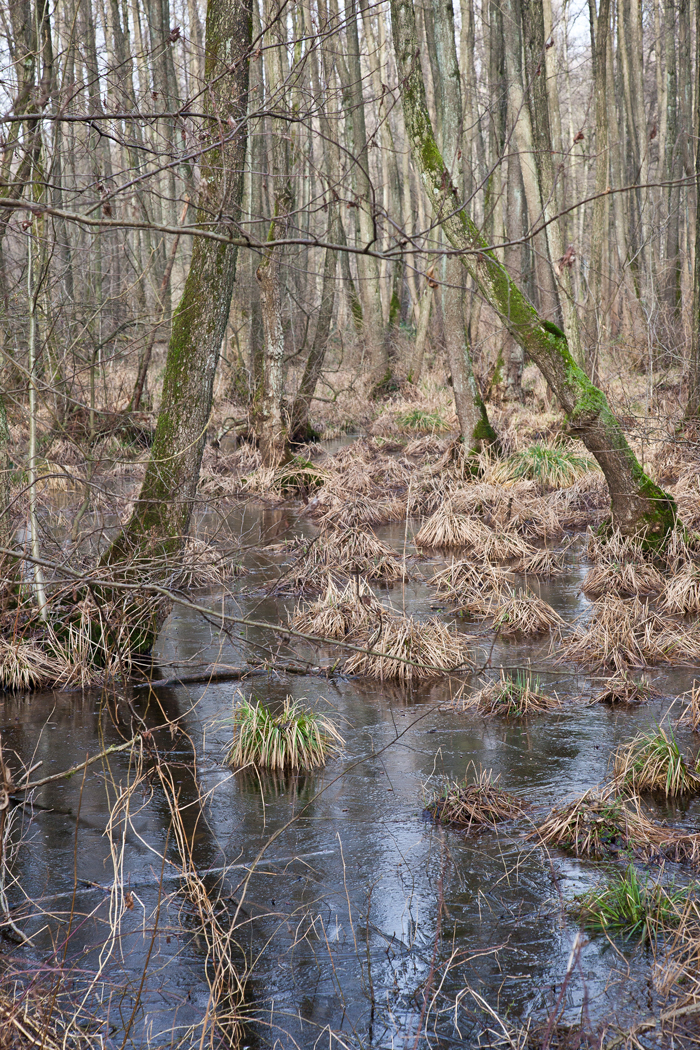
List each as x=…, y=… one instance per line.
x=362, y=922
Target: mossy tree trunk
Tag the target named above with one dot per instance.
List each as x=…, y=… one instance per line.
x=161, y=517
x=638, y=505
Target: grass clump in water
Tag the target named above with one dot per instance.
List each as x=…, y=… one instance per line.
x=553, y=466
x=653, y=761
x=621, y=689
x=508, y=696
x=339, y=613
x=447, y=527
x=624, y=579
x=343, y=553
x=27, y=665
x=406, y=650
x=597, y=826
x=627, y=906
x=621, y=634
x=295, y=739
x=691, y=715
x=525, y=613
x=473, y=589
x=682, y=592
x=474, y=804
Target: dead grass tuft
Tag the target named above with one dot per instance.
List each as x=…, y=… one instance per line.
x=473, y=589
x=598, y=826
x=625, y=690
x=342, y=553
x=691, y=715
x=621, y=633
x=28, y=665
x=475, y=804
x=448, y=528
x=682, y=592
x=340, y=613
x=542, y=563
x=204, y=565
x=409, y=651
x=626, y=580
x=525, y=613
x=511, y=696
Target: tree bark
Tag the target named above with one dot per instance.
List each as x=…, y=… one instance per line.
x=638, y=505
x=161, y=517
x=475, y=427
x=600, y=28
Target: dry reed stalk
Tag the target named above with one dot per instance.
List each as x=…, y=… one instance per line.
x=515, y=697
x=625, y=580
x=622, y=633
x=624, y=690
x=29, y=665
x=339, y=613
x=475, y=804
x=430, y=648
x=691, y=715
x=653, y=761
x=600, y=825
x=525, y=613
x=682, y=592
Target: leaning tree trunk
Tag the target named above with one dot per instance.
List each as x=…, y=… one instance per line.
x=692, y=408
x=161, y=517
x=638, y=505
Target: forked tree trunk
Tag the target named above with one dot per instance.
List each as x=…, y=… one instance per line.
x=638, y=505
x=161, y=517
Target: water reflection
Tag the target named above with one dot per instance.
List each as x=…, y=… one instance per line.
x=359, y=910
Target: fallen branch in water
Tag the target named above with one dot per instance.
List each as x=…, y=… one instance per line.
x=76, y=769
x=233, y=674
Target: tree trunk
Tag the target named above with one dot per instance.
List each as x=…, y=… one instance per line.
x=692, y=408
x=638, y=505
x=299, y=427
x=600, y=28
x=161, y=517
x=471, y=411
x=368, y=266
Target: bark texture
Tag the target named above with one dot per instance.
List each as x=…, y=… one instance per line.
x=161, y=517
x=638, y=505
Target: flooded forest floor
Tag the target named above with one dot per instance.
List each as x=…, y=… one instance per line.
x=474, y=627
